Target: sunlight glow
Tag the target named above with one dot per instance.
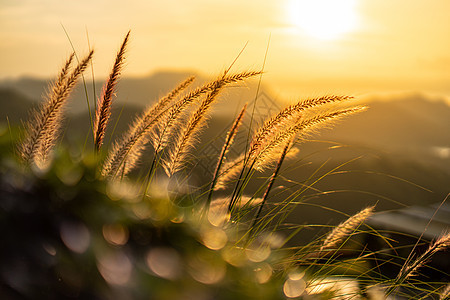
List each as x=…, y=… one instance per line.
x=323, y=19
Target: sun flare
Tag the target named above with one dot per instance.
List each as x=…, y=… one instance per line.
x=323, y=19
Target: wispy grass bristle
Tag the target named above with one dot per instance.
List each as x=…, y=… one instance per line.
x=225, y=148
x=266, y=151
x=411, y=268
x=103, y=111
x=229, y=172
x=289, y=113
x=184, y=141
x=341, y=232
x=231, y=134
x=172, y=121
x=271, y=182
x=127, y=152
x=42, y=129
x=218, y=213
x=445, y=294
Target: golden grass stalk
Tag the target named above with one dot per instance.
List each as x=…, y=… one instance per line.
x=218, y=213
x=226, y=147
x=231, y=134
x=271, y=182
x=343, y=230
x=103, y=111
x=171, y=121
x=230, y=170
x=245, y=200
x=185, y=140
x=268, y=145
x=266, y=153
x=129, y=149
x=271, y=126
x=188, y=135
x=49, y=139
x=27, y=148
x=43, y=126
x=411, y=267
x=445, y=293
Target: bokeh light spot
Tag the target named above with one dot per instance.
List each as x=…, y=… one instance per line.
x=115, y=234
x=263, y=273
x=214, y=238
x=115, y=268
x=296, y=275
x=207, y=270
x=218, y=214
x=75, y=236
x=49, y=249
x=164, y=262
x=141, y=210
x=258, y=253
x=294, y=288
x=234, y=256
x=123, y=190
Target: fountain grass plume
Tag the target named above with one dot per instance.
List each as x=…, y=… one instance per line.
x=127, y=151
x=188, y=133
x=103, y=111
x=42, y=129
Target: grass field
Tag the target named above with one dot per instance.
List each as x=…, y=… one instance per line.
x=98, y=223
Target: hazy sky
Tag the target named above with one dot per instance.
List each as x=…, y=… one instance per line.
x=357, y=47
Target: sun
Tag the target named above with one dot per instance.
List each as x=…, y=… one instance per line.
x=323, y=19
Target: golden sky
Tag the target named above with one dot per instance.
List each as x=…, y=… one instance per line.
x=316, y=47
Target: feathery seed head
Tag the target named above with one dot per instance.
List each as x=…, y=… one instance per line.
x=343, y=230
x=44, y=124
x=286, y=115
x=265, y=151
x=103, y=111
x=129, y=149
x=411, y=267
x=187, y=134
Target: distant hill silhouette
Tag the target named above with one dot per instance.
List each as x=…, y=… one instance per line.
x=14, y=105
x=138, y=91
x=134, y=91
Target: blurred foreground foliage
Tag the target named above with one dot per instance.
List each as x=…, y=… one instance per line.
x=65, y=233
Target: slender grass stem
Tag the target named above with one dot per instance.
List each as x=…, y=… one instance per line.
x=228, y=141
x=269, y=186
x=84, y=81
